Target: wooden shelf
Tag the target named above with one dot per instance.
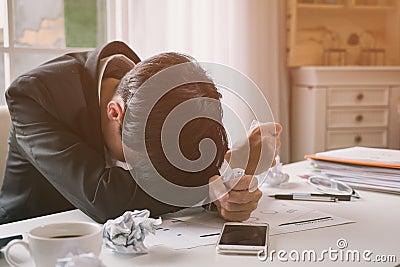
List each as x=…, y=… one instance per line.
x=318, y=27
x=374, y=8
x=374, y=4
x=319, y=6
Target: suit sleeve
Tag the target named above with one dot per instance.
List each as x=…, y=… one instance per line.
x=76, y=170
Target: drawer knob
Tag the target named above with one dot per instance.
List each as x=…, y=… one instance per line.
x=358, y=139
x=359, y=118
x=360, y=96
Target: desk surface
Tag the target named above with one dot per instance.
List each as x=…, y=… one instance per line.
x=377, y=229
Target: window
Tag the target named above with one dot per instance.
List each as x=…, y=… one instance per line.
x=32, y=32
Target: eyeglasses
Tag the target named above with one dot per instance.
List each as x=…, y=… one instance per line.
x=331, y=186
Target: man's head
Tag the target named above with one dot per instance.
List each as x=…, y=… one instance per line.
x=133, y=92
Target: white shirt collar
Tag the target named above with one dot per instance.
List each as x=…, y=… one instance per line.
x=103, y=65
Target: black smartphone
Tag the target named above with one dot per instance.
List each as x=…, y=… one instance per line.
x=243, y=238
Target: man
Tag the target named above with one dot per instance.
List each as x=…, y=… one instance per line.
x=65, y=148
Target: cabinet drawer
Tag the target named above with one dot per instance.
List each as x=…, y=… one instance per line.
x=362, y=137
x=344, y=97
x=357, y=118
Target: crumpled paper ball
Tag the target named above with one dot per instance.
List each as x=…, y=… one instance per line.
x=126, y=233
x=227, y=173
x=80, y=260
x=275, y=176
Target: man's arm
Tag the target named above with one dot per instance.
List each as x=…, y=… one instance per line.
x=254, y=155
x=76, y=170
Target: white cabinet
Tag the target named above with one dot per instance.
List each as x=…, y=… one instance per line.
x=335, y=107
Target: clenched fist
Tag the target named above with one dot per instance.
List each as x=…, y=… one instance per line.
x=237, y=198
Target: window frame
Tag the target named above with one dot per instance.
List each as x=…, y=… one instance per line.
x=9, y=50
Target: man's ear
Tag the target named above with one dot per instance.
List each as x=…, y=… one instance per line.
x=115, y=111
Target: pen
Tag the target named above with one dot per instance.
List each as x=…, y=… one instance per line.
x=207, y=235
x=307, y=221
x=339, y=197
x=306, y=196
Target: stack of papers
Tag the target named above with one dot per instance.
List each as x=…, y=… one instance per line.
x=361, y=167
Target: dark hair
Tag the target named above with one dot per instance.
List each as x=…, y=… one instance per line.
x=133, y=91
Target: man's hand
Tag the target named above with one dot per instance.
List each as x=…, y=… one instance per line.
x=240, y=201
x=257, y=152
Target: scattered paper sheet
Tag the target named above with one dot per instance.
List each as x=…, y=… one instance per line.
x=195, y=227
x=177, y=234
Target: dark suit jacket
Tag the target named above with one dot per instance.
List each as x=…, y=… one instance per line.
x=56, y=151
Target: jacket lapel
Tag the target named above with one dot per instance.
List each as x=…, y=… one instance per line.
x=90, y=85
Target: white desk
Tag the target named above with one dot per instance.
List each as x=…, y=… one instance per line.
x=377, y=229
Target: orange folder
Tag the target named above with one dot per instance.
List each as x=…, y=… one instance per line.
x=354, y=162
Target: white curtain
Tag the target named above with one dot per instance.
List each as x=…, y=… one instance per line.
x=246, y=35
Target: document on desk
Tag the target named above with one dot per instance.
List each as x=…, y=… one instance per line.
x=366, y=156
x=290, y=217
x=195, y=227
x=178, y=234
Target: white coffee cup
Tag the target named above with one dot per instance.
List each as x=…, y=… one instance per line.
x=50, y=242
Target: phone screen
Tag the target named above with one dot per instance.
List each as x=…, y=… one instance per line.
x=244, y=235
